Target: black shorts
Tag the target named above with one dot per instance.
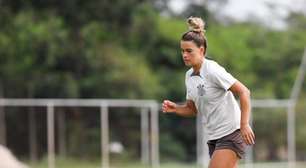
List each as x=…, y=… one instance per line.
x=233, y=141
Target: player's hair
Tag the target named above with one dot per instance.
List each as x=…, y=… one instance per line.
x=196, y=32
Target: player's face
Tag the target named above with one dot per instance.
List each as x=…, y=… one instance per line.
x=192, y=54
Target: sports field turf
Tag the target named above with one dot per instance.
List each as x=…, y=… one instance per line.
x=73, y=163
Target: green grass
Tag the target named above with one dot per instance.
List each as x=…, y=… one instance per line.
x=67, y=163
x=78, y=163
x=275, y=165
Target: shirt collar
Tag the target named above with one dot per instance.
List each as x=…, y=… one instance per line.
x=200, y=73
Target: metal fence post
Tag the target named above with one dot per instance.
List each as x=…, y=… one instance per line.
x=154, y=136
x=104, y=135
x=50, y=127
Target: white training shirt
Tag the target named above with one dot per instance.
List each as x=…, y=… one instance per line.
x=217, y=105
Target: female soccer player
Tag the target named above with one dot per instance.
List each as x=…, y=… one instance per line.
x=210, y=92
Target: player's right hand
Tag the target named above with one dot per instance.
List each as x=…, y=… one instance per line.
x=168, y=106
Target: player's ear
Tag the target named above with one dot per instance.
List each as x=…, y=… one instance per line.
x=202, y=50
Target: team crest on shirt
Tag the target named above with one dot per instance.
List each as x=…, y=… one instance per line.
x=201, y=90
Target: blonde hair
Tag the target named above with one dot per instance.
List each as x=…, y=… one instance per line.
x=196, y=32
x=196, y=24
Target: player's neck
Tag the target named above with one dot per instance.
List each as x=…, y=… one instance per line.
x=196, y=68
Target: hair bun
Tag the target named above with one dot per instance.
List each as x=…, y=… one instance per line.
x=196, y=24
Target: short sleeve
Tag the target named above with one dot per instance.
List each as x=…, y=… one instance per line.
x=188, y=94
x=222, y=78
x=188, y=90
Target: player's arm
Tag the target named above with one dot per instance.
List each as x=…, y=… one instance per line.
x=187, y=109
x=245, y=105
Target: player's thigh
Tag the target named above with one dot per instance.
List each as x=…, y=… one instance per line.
x=224, y=158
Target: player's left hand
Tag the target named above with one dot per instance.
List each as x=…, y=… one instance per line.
x=247, y=134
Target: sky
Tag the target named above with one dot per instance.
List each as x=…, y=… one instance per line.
x=272, y=14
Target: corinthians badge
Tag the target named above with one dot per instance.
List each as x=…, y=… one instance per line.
x=201, y=90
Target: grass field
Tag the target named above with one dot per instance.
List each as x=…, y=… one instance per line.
x=73, y=163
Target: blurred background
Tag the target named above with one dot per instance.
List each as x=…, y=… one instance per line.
x=129, y=49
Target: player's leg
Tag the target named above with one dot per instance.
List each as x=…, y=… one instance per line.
x=224, y=158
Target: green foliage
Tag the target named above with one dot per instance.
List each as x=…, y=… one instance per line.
x=171, y=29
x=300, y=127
x=171, y=149
x=127, y=49
x=276, y=121
x=32, y=51
x=246, y=51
